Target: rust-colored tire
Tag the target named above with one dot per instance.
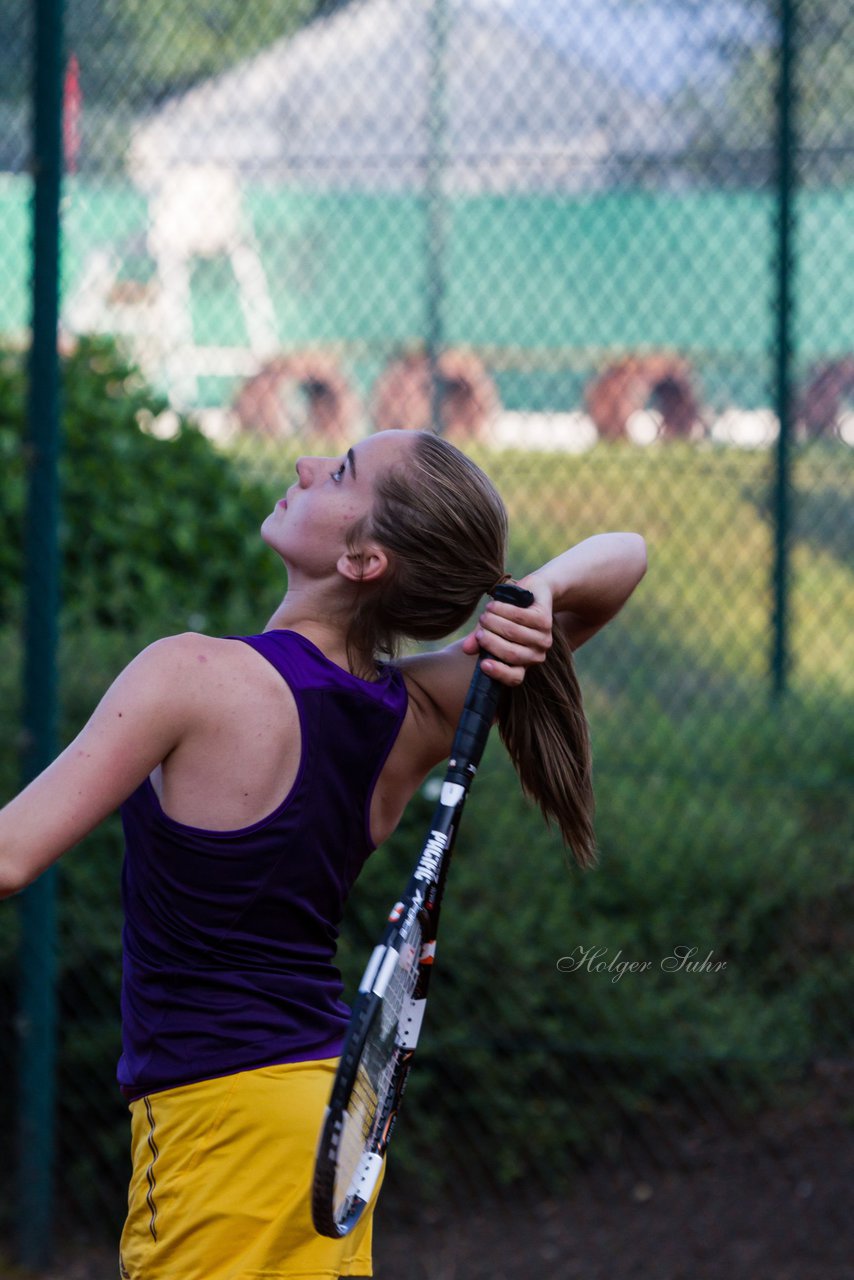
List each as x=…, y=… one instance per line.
x=468, y=396
x=331, y=406
x=631, y=383
x=821, y=402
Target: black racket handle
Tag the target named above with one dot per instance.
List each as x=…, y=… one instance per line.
x=480, y=705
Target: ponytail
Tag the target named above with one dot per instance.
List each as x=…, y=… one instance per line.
x=543, y=726
x=441, y=520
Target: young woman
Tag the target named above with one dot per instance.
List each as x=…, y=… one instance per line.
x=255, y=775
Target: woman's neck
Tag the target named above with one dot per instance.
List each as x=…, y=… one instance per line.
x=323, y=622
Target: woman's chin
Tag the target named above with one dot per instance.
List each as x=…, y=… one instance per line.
x=266, y=530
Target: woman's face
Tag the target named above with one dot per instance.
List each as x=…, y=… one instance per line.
x=308, y=527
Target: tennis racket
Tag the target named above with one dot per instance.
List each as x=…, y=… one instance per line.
x=389, y=1007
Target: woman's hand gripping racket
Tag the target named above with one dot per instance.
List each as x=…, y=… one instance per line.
x=389, y=1008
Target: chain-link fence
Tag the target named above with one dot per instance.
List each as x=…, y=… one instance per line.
x=607, y=247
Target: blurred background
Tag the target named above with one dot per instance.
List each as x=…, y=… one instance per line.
x=607, y=247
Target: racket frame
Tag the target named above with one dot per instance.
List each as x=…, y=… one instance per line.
x=419, y=905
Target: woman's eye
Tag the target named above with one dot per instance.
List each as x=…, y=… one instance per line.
x=338, y=475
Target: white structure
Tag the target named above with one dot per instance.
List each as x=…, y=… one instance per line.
x=345, y=103
x=198, y=214
x=544, y=432
x=746, y=428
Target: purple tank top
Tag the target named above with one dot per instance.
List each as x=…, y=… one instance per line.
x=230, y=936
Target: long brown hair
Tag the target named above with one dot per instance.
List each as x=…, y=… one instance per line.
x=544, y=728
x=444, y=528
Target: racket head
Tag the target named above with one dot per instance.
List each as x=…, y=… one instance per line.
x=373, y=1069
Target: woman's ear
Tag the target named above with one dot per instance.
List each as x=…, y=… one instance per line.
x=367, y=564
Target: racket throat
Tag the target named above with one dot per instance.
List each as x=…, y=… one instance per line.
x=364, y=1180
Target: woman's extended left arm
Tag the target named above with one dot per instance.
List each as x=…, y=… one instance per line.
x=140, y=719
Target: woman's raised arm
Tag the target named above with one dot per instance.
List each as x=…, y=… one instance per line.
x=580, y=590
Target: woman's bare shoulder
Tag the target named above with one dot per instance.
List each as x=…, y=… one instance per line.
x=195, y=657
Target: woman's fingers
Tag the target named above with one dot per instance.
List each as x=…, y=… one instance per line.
x=514, y=640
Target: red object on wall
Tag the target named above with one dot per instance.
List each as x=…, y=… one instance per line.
x=72, y=110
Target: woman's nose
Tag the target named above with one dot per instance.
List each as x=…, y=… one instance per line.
x=307, y=469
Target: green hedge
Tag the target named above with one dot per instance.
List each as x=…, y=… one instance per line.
x=157, y=534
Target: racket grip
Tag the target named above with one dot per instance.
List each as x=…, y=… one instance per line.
x=481, y=705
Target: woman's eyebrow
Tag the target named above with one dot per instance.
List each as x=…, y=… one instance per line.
x=351, y=458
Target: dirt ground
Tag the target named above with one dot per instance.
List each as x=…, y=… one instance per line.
x=741, y=1207
x=772, y=1201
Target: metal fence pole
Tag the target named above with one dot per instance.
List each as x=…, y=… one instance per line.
x=786, y=143
x=435, y=201
x=37, y=1021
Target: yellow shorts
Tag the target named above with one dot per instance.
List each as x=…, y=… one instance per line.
x=221, y=1183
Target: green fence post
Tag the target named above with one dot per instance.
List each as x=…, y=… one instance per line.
x=786, y=143
x=435, y=203
x=37, y=992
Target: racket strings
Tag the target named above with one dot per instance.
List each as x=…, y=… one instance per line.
x=375, y=1085
x=355, y=1136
